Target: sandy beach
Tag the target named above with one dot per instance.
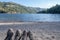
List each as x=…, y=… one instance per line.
x=40, y=30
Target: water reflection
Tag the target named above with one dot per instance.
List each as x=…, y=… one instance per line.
x=30, y=17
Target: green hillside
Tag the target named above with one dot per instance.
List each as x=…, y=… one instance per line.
x=54, y=10
x=11, y=7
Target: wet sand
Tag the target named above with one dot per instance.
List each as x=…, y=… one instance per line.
x=40, y=30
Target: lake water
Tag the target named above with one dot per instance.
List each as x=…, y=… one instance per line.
x=30, y=17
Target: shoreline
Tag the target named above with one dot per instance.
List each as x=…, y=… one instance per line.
x=16, y=23
x=40, y=30
x=12, y=23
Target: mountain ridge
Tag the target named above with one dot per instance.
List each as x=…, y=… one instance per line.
x=11, y=7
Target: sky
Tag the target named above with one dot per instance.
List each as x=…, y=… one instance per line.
x=35, y=3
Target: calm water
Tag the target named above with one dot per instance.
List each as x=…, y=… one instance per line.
x=30, y=17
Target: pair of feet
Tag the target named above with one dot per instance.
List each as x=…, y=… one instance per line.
x=19, y=35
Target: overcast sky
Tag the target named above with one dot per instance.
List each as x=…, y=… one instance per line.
x=35, y=3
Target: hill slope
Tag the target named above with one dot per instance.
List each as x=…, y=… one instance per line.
x=54, y=10
x=11, y=7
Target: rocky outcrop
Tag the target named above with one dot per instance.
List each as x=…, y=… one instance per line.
x=9, y=34
x=19, y=35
